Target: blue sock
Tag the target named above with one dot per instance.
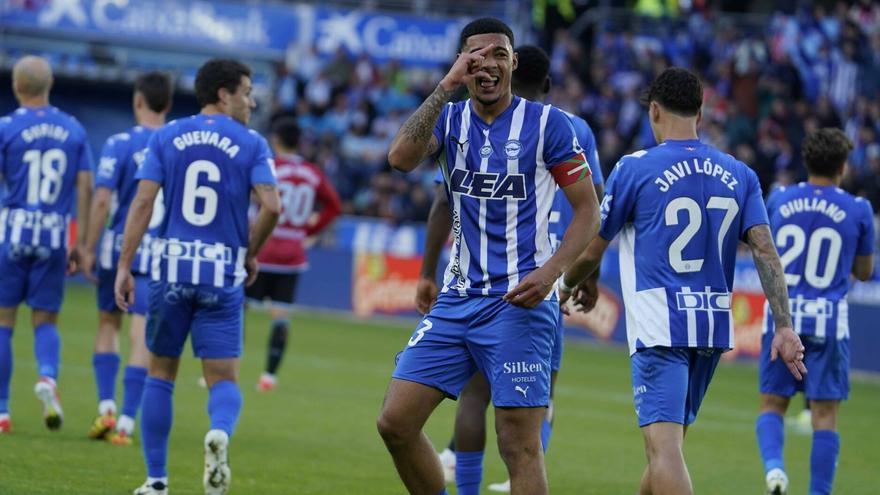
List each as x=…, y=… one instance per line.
x=224, y=406
x=468, y=472
x=823, y=461
x=156, y=424
x=47, y=349
x=5, y=367
x=134, y=390
x=106, y=365
x=771, y=436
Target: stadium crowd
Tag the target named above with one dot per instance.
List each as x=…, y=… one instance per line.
x=765, y=88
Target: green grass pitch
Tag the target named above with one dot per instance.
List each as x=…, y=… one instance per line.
x=316, y=433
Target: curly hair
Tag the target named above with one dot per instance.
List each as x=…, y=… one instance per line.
x=218, y=73
x=677, y=90
x=825, y=152
x=484, y=25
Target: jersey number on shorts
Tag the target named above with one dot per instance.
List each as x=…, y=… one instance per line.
x=420, y=332
x=798, y=238
x=45, y=172
x=192, y=192
x=298, y=201
x=695, y=221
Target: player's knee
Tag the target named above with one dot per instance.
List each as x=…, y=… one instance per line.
x=394, y=429
x=515, y=451
x=823, y=415
x=774, y=403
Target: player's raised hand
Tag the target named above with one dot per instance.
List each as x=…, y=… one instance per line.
x=123, y=289
x=466, y=67
x=252, y=268
x=787, y=346
x=532, y=289
x=426, y=294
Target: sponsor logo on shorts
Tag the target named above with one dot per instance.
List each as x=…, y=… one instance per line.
x=522, y=367
x=521, y=390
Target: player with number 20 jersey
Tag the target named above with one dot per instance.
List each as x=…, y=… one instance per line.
x=823, y=234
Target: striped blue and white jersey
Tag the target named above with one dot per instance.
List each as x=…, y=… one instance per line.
x=819, y=230
x=561, y=213
x=500, y=180
x=122, y=156
x=206, y=166
x=41, y=152
x=681, y=208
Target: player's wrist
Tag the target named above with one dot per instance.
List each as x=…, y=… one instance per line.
x=448, y=86
x=563, y=286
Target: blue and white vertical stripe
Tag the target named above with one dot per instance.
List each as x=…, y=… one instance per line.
x=501, y=193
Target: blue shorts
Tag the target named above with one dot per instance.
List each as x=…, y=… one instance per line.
x=107, y=298
x=509, y=345
x=827, y=362
x=214, y=315
x=558, y=344
x=34, y=274
x=669, y=383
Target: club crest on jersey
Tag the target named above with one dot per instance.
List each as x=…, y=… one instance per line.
x=488, y=185
x=485, y=151
x=512, y=149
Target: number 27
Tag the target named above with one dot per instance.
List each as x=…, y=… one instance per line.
x=695, y=221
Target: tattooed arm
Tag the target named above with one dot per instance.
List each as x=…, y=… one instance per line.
x=415, y=140
x=786, y=343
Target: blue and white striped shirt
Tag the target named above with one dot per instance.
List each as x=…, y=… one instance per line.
x=498, y=179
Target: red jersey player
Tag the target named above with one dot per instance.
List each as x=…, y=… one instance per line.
x=304, y=189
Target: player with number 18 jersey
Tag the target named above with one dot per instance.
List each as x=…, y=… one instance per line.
x=45, y=163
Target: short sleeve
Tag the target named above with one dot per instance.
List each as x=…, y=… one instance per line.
x=619, y=200
x=153, y=169
x=107, y=174
x=866, y=229
x=263, y=168
x=560, y=142
x=587, y=140
x=754, y=212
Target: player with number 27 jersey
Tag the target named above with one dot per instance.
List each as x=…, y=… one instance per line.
x=681, y=209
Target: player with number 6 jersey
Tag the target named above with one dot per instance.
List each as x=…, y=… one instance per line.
x=45, y=162
x=823, y=234
x=207, y=166
x=309, y=204
x=681, y=208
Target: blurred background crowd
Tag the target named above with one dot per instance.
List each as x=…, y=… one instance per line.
x=768, y=79
x=772, y=71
